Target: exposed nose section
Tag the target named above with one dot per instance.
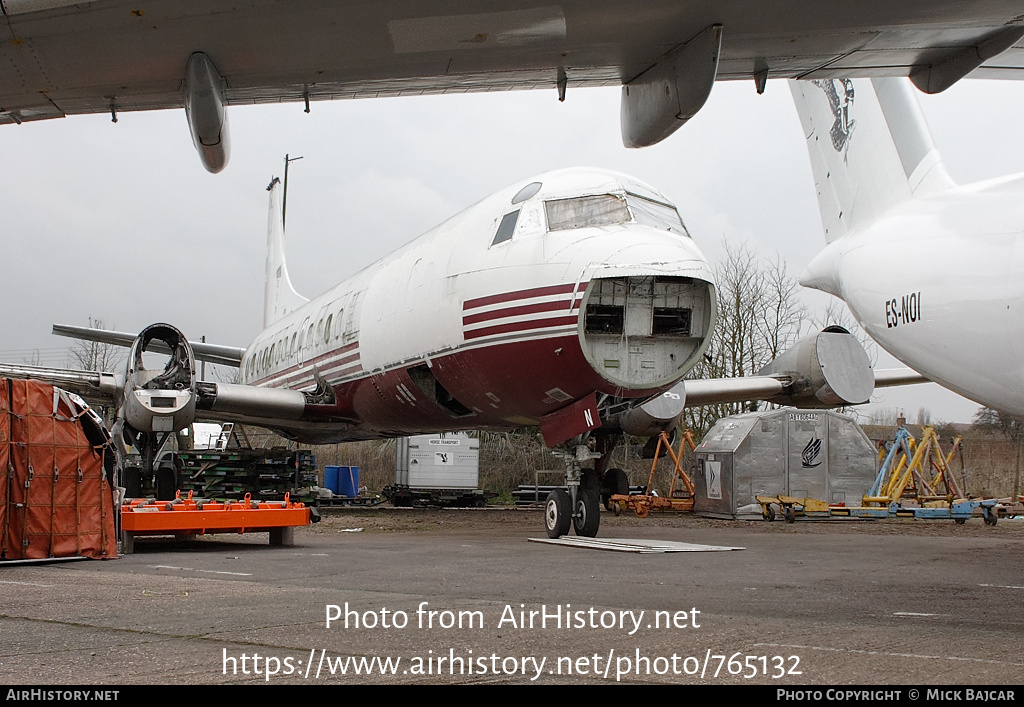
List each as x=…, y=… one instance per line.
x=642, y=332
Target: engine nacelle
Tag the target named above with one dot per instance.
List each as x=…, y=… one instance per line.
x=659, y=414
x=160, y=399
x=827, y=369
x=204, y=108
x=659, y=101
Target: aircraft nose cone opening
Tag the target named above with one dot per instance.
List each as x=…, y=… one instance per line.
x=642, y=332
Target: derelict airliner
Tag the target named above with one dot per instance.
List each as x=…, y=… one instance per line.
x=931, y=270
x=575, y=301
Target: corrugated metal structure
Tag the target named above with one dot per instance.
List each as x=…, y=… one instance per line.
x=56, y=475
x=803, y=453
x=442, y=461
x=441, y=469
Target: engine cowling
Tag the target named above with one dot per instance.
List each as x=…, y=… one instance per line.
x=204, y=109
x=160, y=399
x=653, y=416
x=827, y=369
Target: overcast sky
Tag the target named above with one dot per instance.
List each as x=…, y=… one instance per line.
x=121, y=222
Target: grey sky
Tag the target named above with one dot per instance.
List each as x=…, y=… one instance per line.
x=122, y=223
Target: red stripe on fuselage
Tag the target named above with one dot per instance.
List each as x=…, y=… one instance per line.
x=520, y=326
x=522, y=309
x=522, y=294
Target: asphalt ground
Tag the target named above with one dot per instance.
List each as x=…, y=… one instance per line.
x=812, y=603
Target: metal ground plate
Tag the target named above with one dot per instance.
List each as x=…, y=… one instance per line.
x=631, y=545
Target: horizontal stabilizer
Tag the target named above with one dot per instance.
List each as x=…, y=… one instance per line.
x=211, y=353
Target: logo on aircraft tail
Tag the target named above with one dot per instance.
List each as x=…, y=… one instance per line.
x=839, y=93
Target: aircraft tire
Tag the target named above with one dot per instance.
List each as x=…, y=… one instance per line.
x=588, y=513
x=615, y=482
x=557, y=513
x=166, y=482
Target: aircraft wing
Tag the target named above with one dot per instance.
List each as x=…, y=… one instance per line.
x=713, y=391
x=94, y=386
x=211, y=353
x=64, y=57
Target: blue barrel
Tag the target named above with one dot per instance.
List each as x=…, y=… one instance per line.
x=348, y=481
x=331, y=478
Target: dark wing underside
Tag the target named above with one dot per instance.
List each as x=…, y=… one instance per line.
x=79, y=58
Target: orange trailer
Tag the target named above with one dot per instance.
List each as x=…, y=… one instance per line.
x=196, y=516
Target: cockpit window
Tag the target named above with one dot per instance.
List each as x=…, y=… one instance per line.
x=586, y=211
x=506, y=228
x=655, y=214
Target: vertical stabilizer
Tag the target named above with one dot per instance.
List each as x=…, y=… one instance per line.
x=869, y=147
x=279, y=297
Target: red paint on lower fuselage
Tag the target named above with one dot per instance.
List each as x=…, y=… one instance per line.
x=506, y=385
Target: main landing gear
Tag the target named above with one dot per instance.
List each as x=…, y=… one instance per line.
x=579, y=504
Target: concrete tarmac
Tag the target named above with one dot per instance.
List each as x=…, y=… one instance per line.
x=833, y=603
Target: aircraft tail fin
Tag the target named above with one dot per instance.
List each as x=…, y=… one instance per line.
x=869, y=146
x=279, y=297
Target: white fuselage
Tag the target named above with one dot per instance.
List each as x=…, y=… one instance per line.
x=500, y=326
x=936, y=281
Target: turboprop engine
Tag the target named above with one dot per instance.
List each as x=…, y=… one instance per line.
x=827, y=369
x=160, y=399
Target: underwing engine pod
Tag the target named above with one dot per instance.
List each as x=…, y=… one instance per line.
x=204, y=108
x=826, y=369
x=657, y=102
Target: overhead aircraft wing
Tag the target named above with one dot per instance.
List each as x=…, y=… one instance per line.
x=64, y=57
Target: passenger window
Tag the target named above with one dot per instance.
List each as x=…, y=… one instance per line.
x=506, y=228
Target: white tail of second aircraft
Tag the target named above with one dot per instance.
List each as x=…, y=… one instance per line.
x=279, y=297
x=869, y=146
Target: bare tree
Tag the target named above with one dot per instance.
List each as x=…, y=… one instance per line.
x=1008, y=426
x=96, y=356
x=759, y=317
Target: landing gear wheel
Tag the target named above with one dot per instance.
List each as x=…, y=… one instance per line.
x=557, y=513
x=588, y=513
x=790, y=514
x=166, y=482
x=615, y=482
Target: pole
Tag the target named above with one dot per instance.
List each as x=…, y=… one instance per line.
x=284, y=197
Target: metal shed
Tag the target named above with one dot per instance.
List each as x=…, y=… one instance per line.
x=803, y=453
x=441, y=461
